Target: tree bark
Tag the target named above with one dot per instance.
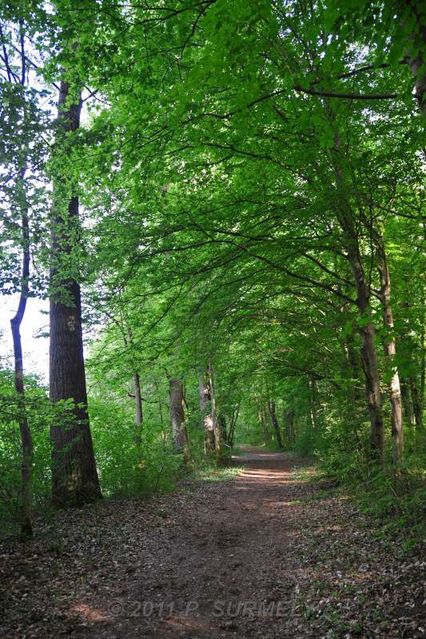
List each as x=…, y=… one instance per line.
x=313, y=400
x=217, y=435
x=232, y=425
x=138, y=409
x=275, y=424
x=407, y=405
x=24, y=428
x=368, y=348
x=390, y=352
x=204, y=395
x=417, y=403
x=289, y=425
x=367, y=331
x=206, y=410
x=416, y=61
x=74, y=475
x=177, y=414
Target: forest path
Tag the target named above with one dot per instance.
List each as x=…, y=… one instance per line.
x=265, y=555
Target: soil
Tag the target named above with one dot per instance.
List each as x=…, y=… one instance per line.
x=268, y=554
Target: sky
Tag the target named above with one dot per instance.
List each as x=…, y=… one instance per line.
x=36, y=349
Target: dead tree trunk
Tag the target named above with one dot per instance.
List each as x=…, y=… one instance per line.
x=74, y=474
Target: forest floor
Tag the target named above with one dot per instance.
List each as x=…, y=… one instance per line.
x=268, y=554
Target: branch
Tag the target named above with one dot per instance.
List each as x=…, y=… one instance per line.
x=346, y=96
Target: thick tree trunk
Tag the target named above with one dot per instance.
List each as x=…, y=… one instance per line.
x=177, y=414
x=74, y=475
x=24, y=429
x=390, y=352
x=275, y=424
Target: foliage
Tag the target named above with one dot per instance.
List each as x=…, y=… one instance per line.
x=39, y=412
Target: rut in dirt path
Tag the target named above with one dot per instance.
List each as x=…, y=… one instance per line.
x=266, y=555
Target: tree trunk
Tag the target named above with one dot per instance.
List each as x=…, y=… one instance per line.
x=275, y=424
x=204, y=396
x=289, y=425
x=350, y=239
x=417, y=403
x=390, y=352
x=372, y=388
x=232, y=424
x=214, y=416
x=407, y=404
x=24, y=429
x=368, y=349
x=138, y=409
x=74, y=475
x=417, y=47
x=313, y=400
x=222, y=428
x=177, y=414
x=264, y=424
x=206, y=411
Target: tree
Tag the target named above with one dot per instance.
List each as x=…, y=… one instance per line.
x=74, y=474
x=23, y=155
x=177, y=414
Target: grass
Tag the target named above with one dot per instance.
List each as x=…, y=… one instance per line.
x=217, y=474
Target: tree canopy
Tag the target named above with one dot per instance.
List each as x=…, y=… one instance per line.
x=237, y=188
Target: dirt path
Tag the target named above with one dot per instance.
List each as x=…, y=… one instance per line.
x=264, y=556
